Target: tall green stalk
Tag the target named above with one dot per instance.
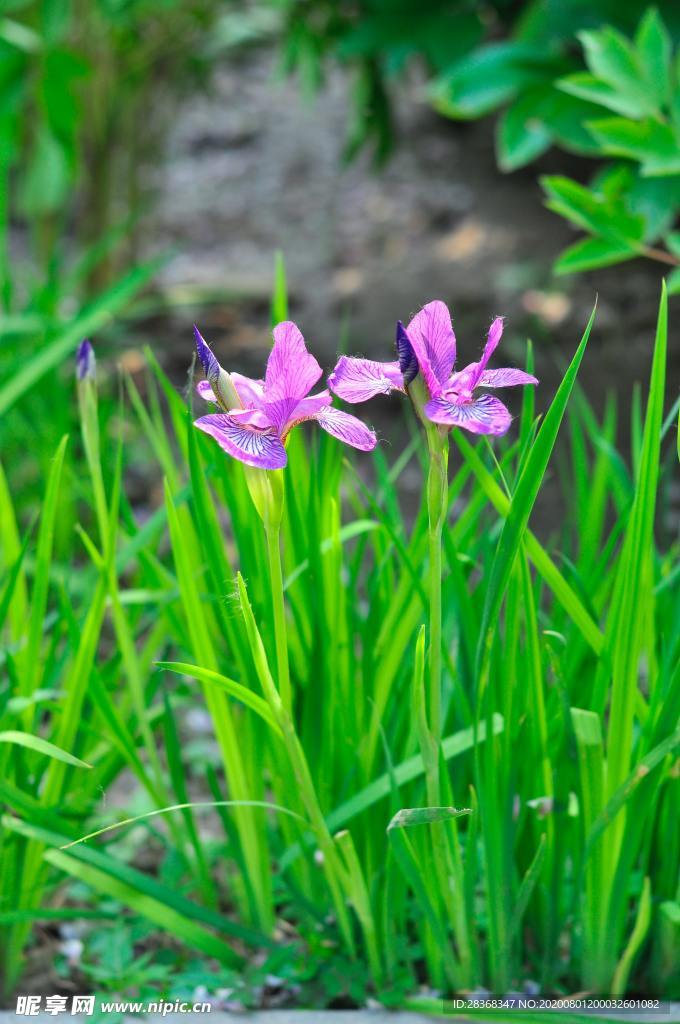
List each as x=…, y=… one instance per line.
x=447, y=862
x=266, y=489
x=273, y=534
x=300, y=771
x=89, y=426
x=437, y=492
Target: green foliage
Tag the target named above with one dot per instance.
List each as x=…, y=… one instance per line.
x=77, y=84
x=630, y=206
x=376, y=40
x=624, y=104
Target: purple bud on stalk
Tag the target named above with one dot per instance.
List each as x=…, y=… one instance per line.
x=408, y=364
x=85, y=361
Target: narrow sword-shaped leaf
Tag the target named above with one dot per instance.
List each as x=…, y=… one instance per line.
x=41, y=746
x=522, y=503
x=89, y=322
x=230, y=686
x=408, y=817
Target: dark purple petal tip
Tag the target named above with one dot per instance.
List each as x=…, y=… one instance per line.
x=85, y=360
x=408, y=364
x=208, y=361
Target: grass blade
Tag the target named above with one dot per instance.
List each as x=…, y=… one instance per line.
x=230, y=686
x=91, y=320
x=23, y=739
x=522, y=503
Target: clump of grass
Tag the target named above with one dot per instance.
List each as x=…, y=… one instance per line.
x=526, y=837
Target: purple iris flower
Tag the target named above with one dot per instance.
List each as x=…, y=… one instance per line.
x=428, y=346
x=258, y=415
x=85, y=360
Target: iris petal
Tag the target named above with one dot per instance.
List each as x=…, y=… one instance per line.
x=357, y=380
x=291, y=374
x=505, y=377
x=251, y=392
x=492, y=342
x=347, y=428
x=251, y=418
x=205, y=391
x=434, y=344
x=211, y=367
x=307, y=409
x=408, y=364
x=262, y=449
x=221, y=384
x=483, y=415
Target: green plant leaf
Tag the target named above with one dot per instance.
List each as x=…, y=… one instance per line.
x=90, y=320
x=654, y=51
x=48, y=176
x=589, y=253
x=30, y=659
x=23, y=739
x=159, y=912
x=489, y=77
x=673, y=282
x=136, y=887
x=452, y=746
x=620, y=797
x=522, y=503
x=631, y=587
x=521, y=135
x=528, y=885
x=20, y=36
x=587, y=87
x=552, y=576
x=408, y=817
x=637, y=937
x=612, y=59
x=599, y=214
x=124, y=822
x=653, y=143
x=230, y=686
x=280, y=295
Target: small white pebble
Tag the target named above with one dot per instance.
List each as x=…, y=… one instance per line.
x=198, y=721
x=72, y=950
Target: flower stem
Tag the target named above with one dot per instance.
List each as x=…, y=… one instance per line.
x=300, y=768
x=448, y=869
x=437, y=488
x=279, y=613
x=89, y=422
